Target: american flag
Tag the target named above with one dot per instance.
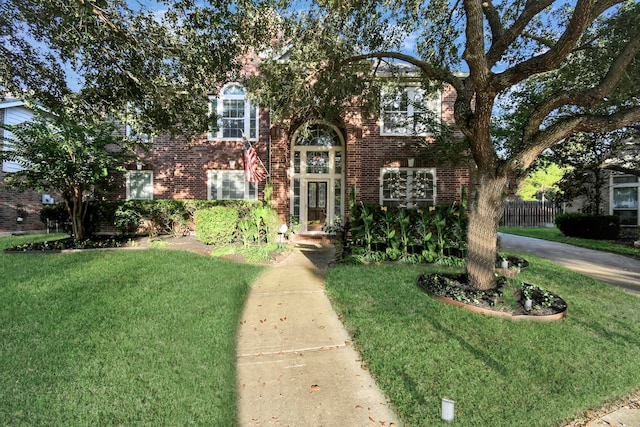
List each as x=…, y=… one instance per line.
x=253, y=169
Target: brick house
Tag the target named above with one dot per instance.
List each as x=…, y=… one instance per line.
x=19, y=211
x=312, y=166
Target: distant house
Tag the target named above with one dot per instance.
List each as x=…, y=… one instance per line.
x=312, y=166
x=19, y=211
x=621, y=192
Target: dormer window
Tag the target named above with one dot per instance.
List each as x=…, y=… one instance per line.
x=236, y=115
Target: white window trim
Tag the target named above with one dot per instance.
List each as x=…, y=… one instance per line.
x=613, y=186
x=219, y=173
x=129, y=174
x=410, y=172
x=218, y=101
x=411, y=90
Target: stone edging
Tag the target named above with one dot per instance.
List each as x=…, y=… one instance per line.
x=476, y=309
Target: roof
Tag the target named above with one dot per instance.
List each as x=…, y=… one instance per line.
x=10, y=102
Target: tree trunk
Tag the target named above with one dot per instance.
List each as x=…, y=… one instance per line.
x=75, y=209
x=482, y=235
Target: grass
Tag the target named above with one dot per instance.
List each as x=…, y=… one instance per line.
x=553, y=234
x=499, y=372
x=127, y=337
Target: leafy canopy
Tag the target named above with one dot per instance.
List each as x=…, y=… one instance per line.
x=155, y=60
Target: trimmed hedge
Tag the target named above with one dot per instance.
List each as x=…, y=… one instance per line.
x=151, y=217
x=217, y=225
x=598, y=227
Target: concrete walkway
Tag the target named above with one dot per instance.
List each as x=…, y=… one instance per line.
x=296, y=365
x=617, y=270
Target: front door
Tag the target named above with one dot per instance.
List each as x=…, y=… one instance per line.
x=316, y=205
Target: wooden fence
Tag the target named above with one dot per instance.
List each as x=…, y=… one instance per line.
x=520, y=213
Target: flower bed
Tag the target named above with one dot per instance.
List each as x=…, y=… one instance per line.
x=504, y=300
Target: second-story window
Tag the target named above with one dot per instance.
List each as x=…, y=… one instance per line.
x=409, y=111
x=236, y=115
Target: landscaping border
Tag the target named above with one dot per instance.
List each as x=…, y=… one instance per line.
x=476, y=309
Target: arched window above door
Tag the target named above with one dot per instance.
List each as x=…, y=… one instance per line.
x=318, y=136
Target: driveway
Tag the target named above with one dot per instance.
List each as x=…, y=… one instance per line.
x=617, y=270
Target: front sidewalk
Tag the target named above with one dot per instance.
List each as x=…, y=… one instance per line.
x=296, y=365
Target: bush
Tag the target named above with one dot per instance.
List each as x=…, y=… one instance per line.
x=163, y=216
x=57, y=213
x=217, y=225
x=599, y=227
x=432, y=232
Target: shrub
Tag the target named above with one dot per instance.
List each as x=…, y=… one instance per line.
x=433, y=232
x=56, y=213
x=163, y=216
x=126, y=218
x=217, y=225
x=600, y=227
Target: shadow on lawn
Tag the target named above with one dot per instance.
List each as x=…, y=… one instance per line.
x=601, y=330
x=482, y=356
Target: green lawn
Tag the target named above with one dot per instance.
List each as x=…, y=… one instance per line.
x=553, y=234
x=126, y=337
x=499, y=372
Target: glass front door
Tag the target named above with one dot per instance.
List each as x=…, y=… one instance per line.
x=316, y=205
x=317, y=177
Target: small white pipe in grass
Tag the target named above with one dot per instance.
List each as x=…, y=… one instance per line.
x=447, y=409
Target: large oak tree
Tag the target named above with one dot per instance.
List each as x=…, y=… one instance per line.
x=578, y=58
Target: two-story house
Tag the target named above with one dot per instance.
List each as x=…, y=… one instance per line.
x=312, y=168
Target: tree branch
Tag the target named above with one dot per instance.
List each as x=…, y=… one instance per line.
x=99, y=13
x=429, y=70
x=583, y=15
x=501, y=44
x=490, y=12
x=585, y=98
x=542, y=40
x=474, y=52
x=601, y=123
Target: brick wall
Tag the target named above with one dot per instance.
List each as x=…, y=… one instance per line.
x=366, y=155
x=280, y=162
x=366, y=152
x=180, y=167
x=14, y=203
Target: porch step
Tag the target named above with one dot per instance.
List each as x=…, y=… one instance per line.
x=313, y=238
